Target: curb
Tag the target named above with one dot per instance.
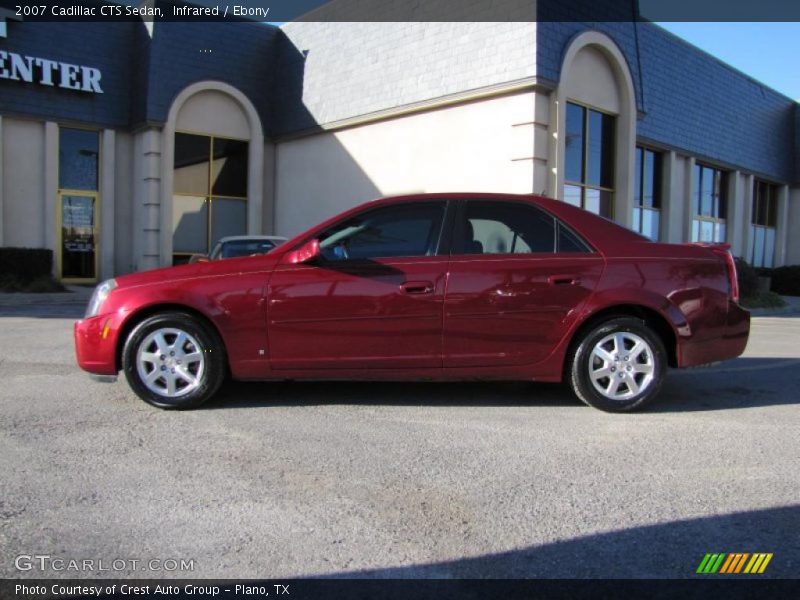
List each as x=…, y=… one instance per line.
x=792, y=308
x=786, y=311
x=74, y=296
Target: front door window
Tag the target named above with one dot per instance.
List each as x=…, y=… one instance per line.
x=406, y=230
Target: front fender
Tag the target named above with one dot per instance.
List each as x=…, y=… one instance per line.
x=235, y=307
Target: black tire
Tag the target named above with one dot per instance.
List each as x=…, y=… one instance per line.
x=582, y=361
x=203, y=340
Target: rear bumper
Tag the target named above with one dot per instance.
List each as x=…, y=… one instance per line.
x=729, y=345
x=95, y=345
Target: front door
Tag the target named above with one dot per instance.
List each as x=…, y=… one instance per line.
x=516, y=277
x=78, y=238
x=372, y=301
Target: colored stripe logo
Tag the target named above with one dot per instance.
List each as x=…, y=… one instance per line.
x=734, y=562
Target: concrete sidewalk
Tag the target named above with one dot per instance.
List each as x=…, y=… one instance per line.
x=75, y=295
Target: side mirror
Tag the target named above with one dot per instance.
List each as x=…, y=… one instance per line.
x=305, y=253
x=194, y=258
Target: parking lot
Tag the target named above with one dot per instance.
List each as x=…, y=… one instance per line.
x=396, y=480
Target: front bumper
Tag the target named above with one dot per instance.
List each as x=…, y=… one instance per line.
x=96, y=344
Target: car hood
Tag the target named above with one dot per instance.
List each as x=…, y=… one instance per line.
x=214, y=268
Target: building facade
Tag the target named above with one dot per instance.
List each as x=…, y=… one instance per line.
x=132, y=145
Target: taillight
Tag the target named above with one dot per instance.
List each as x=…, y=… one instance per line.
x=730, y=264
x=733, y=276
x=723, y=250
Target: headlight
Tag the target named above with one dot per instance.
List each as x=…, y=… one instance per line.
x=99, y=296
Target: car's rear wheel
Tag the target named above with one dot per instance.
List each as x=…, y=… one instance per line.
x=173, y=360
x=619, y=365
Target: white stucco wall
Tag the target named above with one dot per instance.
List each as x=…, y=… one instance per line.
x=590, y=80
x=385, y=64
x=23, y=184
x=212, y=112
x=485, y=145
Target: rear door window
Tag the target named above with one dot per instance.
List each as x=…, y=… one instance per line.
x=489, y=227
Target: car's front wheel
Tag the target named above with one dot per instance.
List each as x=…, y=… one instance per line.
x=173, y=360
x=618, y=365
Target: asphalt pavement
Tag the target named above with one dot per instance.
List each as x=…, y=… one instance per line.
x=393, y=480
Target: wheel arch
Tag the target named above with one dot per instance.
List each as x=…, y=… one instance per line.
x=154, y=309
x=652, y=317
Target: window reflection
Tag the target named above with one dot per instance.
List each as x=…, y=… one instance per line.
x=574, y=143
x=572, y=195
x=589, y=159
x=710, y=204
x=78, y=203
x=192, y=153
x=78, y=237
x=189, y=224
x=229, y=169
x=647, y=193
x=600, y=150
x=78, y=154
x=210, y=191
x=761, y=247
x=229, y=217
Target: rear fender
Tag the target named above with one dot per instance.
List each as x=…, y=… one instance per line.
x=608, y=299
x=552, y=368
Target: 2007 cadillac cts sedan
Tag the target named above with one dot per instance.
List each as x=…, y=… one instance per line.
x=427, y=287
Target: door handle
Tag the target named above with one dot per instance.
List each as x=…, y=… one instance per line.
x=563, y=280
x=417, y=287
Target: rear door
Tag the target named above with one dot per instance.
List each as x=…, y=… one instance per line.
x=517, y=276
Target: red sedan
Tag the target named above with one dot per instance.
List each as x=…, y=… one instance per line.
x=427, y=287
